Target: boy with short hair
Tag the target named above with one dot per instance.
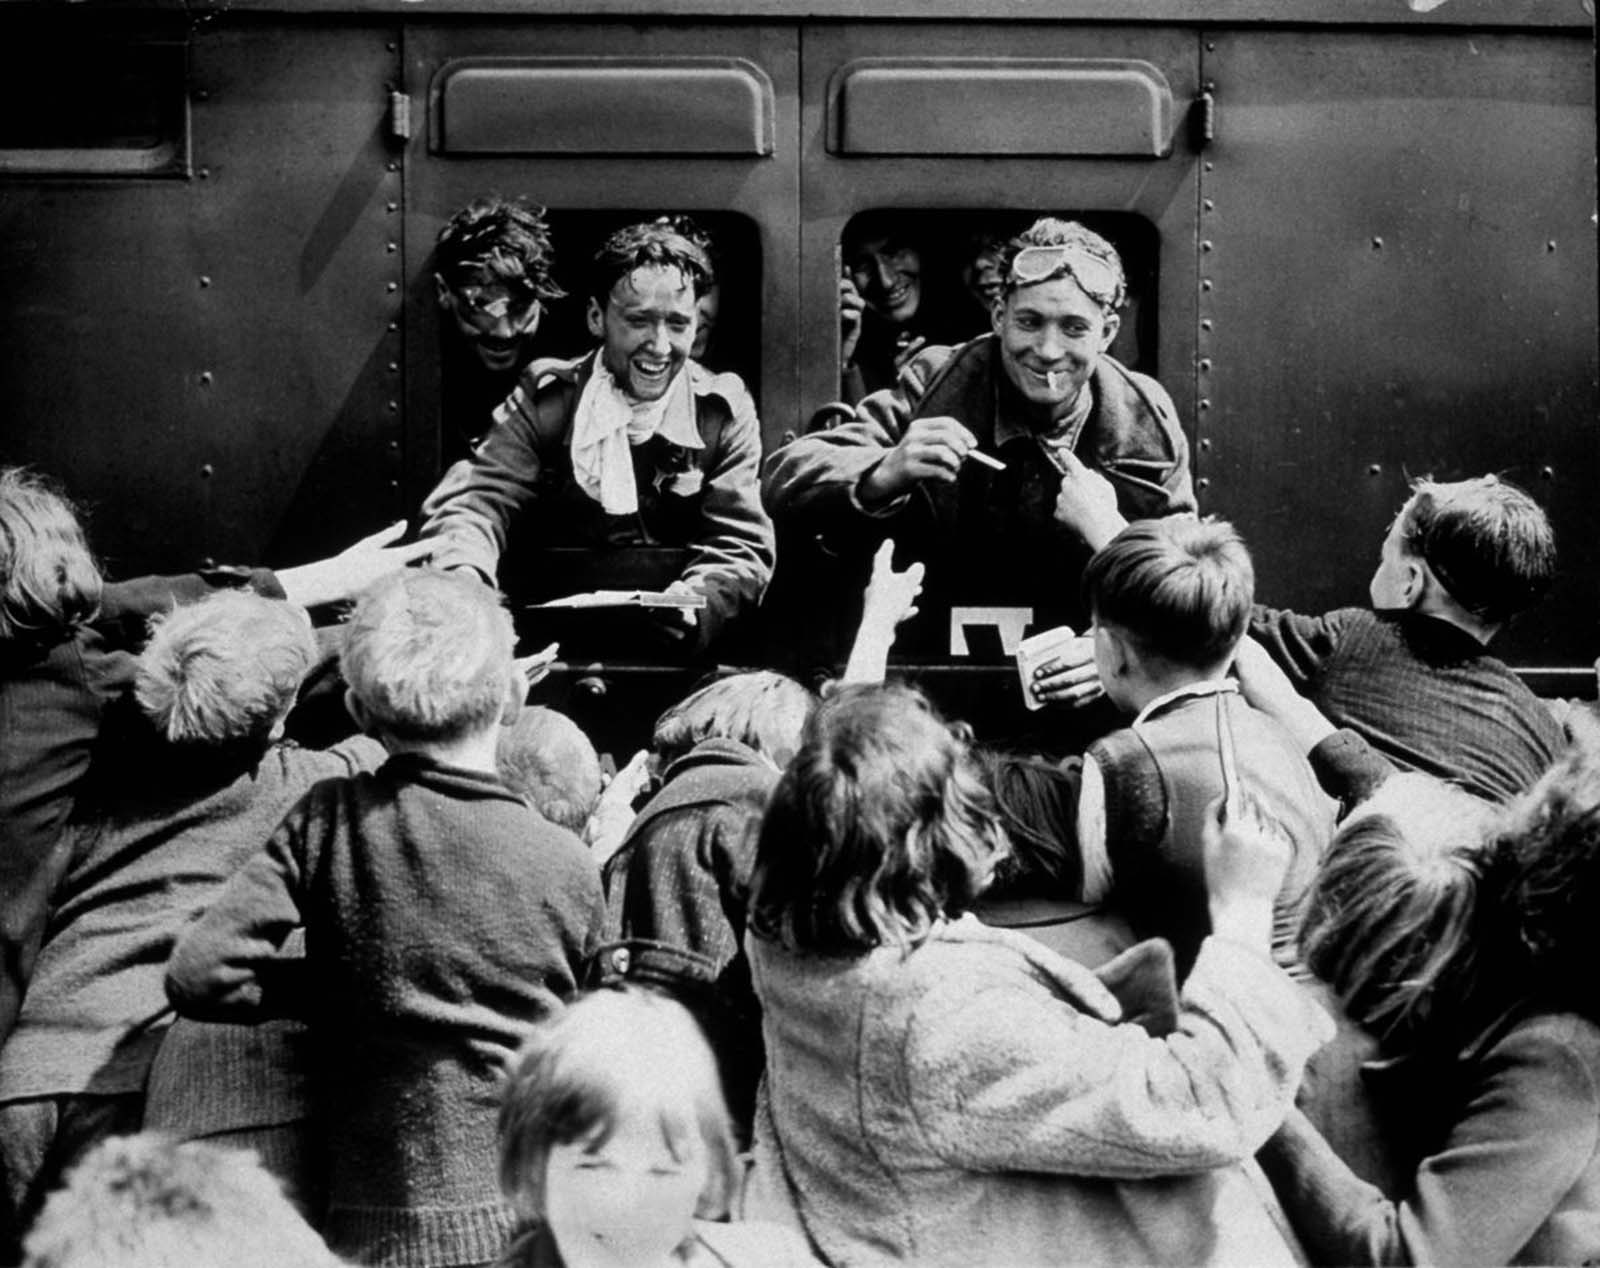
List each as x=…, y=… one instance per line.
x=182, y=793
x=442, y=916
x=1171, y=599
x=1413, y=677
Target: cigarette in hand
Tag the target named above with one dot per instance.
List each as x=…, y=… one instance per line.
x=978, y=456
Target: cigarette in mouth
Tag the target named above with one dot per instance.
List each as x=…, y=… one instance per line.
x=1051, y=378
x=994, y=464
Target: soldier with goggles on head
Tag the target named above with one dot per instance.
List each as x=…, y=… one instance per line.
x=987, y=461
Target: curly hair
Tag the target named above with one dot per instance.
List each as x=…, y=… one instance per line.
x=655, y=243
x=49, y=584
x=495, y=239
x=880, y=826
x=1052, y=232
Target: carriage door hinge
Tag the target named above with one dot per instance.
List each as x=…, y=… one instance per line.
x=1203, y=120
x=399, y=116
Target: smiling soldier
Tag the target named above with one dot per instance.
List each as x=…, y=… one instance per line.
x=634, y=444
x=1033, y=394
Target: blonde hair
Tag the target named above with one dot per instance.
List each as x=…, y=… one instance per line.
x=225, y=668
x=1391, y=921
x=148, y=1202
x=613, y=1053
x=429, y=655
x=545, y=756
x=762, y=710
x=49, y=584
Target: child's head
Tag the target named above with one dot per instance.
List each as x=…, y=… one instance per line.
x=1391, y=919
x=48, y=580
x=148, y=1202
x=1487, y=544
x=545, y=756
x=763, y=711
x=613, y=1130
x=1037, y=805
x=880, y=825
x=1547, y=870
x=428, y=656
x=224, y=669
x=1171, y=598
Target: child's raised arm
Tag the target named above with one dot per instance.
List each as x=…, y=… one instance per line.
x=230, y=965
x=891, y=597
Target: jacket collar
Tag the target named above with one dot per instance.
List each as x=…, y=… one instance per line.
x=457, y=781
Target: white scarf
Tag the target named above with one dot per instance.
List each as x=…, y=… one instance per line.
x=606, y=424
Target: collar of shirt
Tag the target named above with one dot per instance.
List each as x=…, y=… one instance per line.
x=1209, y=687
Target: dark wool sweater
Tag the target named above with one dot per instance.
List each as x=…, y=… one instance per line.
x=53, y=694
x=146, y=854
x=1422, y=692
x=442, y=916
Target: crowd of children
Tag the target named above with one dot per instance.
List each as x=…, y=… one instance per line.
x=1292, y=967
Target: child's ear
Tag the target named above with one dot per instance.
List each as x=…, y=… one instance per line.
x=516, y=693
x=1124, y=657
x=1417, y=580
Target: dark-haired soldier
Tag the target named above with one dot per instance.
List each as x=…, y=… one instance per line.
x=492, y=271
x=633, y=444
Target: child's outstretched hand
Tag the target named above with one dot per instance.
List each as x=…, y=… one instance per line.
x=614, y=812
x=352, y=570
x=536, y=668
x=891, y=596
x=1086, y=503
x=1246, y=854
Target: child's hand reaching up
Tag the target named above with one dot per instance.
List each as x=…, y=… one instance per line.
x=1246, y=855
x=891, y=597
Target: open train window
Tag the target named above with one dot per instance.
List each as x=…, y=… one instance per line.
x=74, y=103
x=735, y=242
x=922, y=275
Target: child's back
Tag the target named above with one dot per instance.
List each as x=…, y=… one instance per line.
x=1171, y=599
x=1413, y=677
x=1162, y=776
x=442, y=916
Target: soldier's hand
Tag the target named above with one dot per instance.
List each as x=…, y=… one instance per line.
x=931, y=449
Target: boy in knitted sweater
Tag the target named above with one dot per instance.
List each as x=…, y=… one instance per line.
x=442, y=917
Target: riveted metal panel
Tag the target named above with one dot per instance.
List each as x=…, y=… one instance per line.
x=1398, y=277
x=950, y=105
x=603, y=105
x=204, y=361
